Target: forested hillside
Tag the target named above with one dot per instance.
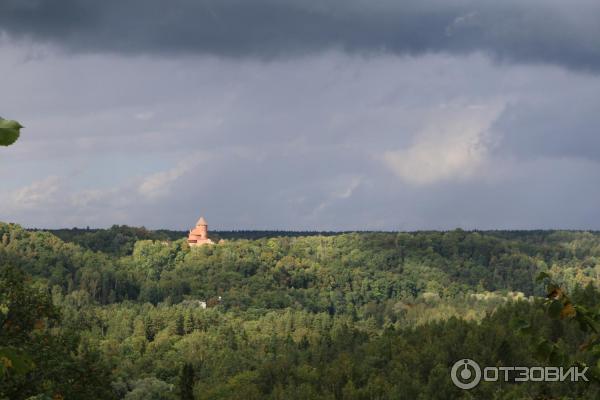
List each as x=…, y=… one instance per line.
x=374, y=315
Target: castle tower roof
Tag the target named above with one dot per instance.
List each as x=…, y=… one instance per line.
x=201, y=222
x=199, y=235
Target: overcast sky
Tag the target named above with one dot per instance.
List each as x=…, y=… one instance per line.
x=302, y=114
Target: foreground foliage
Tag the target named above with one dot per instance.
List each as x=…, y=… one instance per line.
x=9, y=131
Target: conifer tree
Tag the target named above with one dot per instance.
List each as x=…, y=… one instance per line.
x=187, y=382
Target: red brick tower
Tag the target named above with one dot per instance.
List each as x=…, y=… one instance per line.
x=199, y=235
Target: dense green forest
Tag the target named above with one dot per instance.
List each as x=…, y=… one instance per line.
x=128, y=313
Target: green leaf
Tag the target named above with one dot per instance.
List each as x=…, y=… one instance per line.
x=9, y=131
x=595, y=351
x=543, y=349
x=583, y=326
x=541, y=276
x=523, y=326
x=555, y=308
x=586, y=322
x=13, y=360
x=9, y=124
x=556, y=358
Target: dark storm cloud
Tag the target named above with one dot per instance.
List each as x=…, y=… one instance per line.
x=549, y=31
x=330, y=141
x=551, y=128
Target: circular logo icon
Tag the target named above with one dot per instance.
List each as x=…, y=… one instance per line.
x=465, y=374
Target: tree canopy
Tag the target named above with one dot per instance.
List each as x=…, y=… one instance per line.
x=133, y=313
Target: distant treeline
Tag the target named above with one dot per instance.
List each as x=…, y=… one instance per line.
x=119, y=239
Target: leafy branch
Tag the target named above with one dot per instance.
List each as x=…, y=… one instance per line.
x=9, y=131
x=560, y=306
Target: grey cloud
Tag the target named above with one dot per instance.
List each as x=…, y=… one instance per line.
x=547, y=31
x=564, y=126
x=296, y=144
